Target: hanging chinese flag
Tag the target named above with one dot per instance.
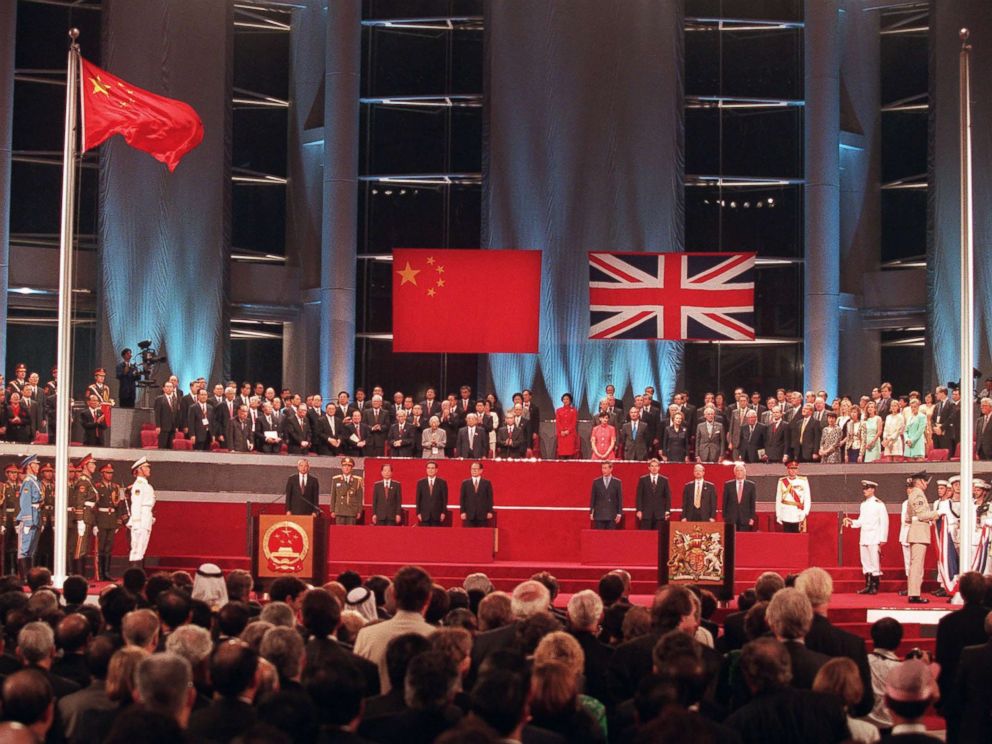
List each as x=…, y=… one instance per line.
x=466, y=301
x=163, y=127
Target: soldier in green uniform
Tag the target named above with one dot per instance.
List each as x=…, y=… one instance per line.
x=82, y=501
x=347, y=492
x=109, y=494
x=9, y=504
x=46, y=538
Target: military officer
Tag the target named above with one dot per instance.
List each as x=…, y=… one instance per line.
x=108, y=498
x=86, y=497
x=28, y=515
x=920, y=516
x=46, y=536
x=873, y=521
x=99, y=387
x=347, y=492
x=142, y=505
x=792, y=499
x=9, y=504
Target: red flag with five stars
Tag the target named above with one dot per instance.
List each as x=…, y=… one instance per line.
x=163, y=127
x=466, y=301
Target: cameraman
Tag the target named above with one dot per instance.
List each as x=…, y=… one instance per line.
x=127, y=374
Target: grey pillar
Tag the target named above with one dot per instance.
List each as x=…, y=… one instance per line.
x=339, y=248
x=821, y=350
x=8, y=31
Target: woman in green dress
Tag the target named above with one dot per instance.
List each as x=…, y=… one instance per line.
x=871, y=434
x=916, y=429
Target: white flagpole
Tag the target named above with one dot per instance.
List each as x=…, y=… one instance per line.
x=967, y=327
x=63, y=416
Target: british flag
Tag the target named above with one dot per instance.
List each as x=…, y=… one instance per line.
x=675, y=296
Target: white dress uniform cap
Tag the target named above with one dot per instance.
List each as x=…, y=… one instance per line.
x=138, y=463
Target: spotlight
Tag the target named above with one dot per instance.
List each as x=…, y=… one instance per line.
x=374, y=192
x=759, y=205
x=733, y=205
x=771, y=202
x=388, y=192
x=747, y=205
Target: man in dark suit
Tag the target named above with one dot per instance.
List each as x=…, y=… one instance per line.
x=302, y=491
x=239, y=435
x=606, y=500
x=955, y=631
x=751, y=438
x=473, y=441
x=777, y=445
x=654, y=497
x=329, y=432
x=224, y=413
x=430, y=405
x=739, y=497
x=790, y=616
x=376, y=418
x=401, y=436
x=432, y=498
x=939, y=419
x=968, y=701
x=635, y=437
x=387, y=499
x=983, y=431
x=93, y=421
x=804, y=436
x=356, y=436
x=532, y=415
x=167, y=416
x=699, y=498
x=585, y=609
x=229, y=715
x=475, y=502
x=464, y=405
x=825, y=638
x=296, y=431
x=199, y=421
x=186, y=402
x=267, y=438
x=511, y=439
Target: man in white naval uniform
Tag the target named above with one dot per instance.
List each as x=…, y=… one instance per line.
x=792, y=499
x=142, y=504
x=873, y=521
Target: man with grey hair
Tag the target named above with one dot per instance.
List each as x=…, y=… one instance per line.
x=36, y=650
x=473, y=441
x=194, y=644
x=377, y=419
x=528, y=599
x=141, y=628
x=585, y=611
x=789, y=616
x=284, y=648
x=983, y=431
x=164, y=685
x=826, y=638
x=279, y=614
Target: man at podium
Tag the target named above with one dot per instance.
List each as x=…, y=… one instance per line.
x=302, y=490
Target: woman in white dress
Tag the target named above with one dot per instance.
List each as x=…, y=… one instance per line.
x=892, y=434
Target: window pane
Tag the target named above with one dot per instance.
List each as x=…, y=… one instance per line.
x=376, y=364
x=755, y=143
x=401, y=217
x=904, y=224
x=416, y=140
x=756, y=10
x=766, y=220
x=722, y=367
x=754, y=64
x=904, y=145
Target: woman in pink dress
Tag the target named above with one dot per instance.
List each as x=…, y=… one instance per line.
x=566, y=434
x=603, y=439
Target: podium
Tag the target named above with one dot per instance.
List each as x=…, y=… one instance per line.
x=289, y=545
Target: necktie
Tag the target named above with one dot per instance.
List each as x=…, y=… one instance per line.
x=509, y=431
x=230, y=409
x=475, y=483
x=204, y=407
x=654, y=481
x=633, y=431
x=387, y=486
x=471, y=437
x=802, y=429
x=430, y=484
x=698, y=499
x=303, y=482
x=740, y=491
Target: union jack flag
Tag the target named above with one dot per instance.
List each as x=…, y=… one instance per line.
x=675, y=296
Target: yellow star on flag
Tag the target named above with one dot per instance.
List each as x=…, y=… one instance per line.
x=440, y=282
x=409, y=274
x=430, y=260
x=430, y=292
x=440, y=269
x=99, y=87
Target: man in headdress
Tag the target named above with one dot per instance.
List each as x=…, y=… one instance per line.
x=921, y=516
x=28, y=515
x=793, y=499
x=873, y=521
x=142, y=504
x=108, y=496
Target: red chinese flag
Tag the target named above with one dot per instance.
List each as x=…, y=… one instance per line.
x=163, y=127
x=466, y=301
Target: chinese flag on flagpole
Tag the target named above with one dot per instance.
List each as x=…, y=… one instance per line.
x=466, y=301
x=163, y=127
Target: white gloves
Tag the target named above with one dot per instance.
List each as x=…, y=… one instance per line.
x=81, y=528
x=96, y=530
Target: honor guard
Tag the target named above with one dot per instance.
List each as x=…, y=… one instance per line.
x=920, y=517
x=46, y=535
x=9, y=504
x=142, y=506
x=109, y=495
x=99, y=388
x=82, y=499
x=28, y=515
x=873, y=521
x=347, y=493
x=792, y=499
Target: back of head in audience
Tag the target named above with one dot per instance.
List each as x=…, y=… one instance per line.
x=529, y=598
x=972, y=587
x=585, y=610
x=529, y=632
x=39, y=576
x=438, y=606
x=28, y=699
x=286, y=589
x=553, y=689
x=610, y=589
x=115, y=604
x=456, y=643
x=412, y=589
x=321, y=613
x=499, y=699
x=431, y=680
x=233, y=668
x=910, y=687
x=636, y=623
x=284, y=648
x=157, y=583
x=789, y=614
x=673, y=608
x=74, y=590
x=840, y=677
x=279, y=614
x=767, y=584
x=289, y=712
x=349, y=580
x=817, y=585
x=134, y=580
x=174, y=607
x=232, y=619
x=99, y=653
x=141, y=628
x=120, y=673
x=766, y=665
x=164, y=684
x=36, y=643
x=73, y=633
x=400, y=652
x=340, y=688
x=678, y=660
x=886, y=633
x=461, y=617
x=495, y=611
x=239, y=583
x=191, y=642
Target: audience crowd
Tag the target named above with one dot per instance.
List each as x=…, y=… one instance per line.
x=170, y=658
